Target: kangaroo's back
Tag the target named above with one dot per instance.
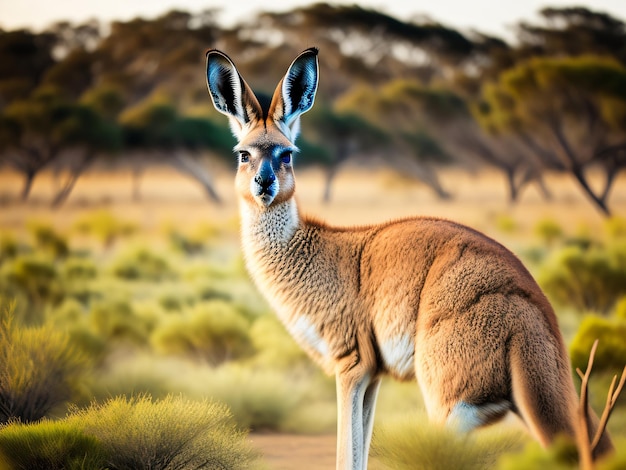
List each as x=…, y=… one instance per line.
x=417, y=298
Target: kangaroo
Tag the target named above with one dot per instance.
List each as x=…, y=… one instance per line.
x=418, y=298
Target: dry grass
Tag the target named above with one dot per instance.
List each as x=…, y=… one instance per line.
x=360, y=196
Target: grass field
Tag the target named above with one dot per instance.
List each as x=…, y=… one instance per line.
x=171, y=203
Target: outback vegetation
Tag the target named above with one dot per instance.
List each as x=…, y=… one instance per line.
x=103, y=315
x=419, y=93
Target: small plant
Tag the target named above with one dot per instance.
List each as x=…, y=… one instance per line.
x=615, y=227
x=34, y=275
x=413, y=443
x=586, y=279
x=142, y=264
x=8, y=247
x=586, y=442
x=117, y=320
x=611, y=352
x=79, y=269
x=168, y=434
x=214, y=331
x=549, y=231
x=506, y=223
x=39, y=369
x=49, y=240
x=49, y=445
x=104, y=226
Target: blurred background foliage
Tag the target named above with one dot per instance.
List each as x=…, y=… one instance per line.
x=102, y=318
x=416, y=94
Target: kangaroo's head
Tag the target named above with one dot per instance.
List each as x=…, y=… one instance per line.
x=266, y=135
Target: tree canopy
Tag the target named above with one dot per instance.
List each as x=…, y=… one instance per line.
x=416, y=92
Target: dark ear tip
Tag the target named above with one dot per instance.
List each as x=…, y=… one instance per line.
x=311, y=50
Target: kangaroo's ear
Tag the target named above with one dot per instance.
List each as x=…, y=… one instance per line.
x=295, y=93
x=230, y=93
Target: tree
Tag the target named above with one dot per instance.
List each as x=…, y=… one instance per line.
x=37, y=131
x=155, y=127
x=571, y=109
x=28, y=133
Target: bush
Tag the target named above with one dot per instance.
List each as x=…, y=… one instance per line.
x=142, y=264
x=172, y=433
x=615, y=227
x=116, y=320
x=413, y=443
x=214, y=331
x=620, y=308
x=79, y=269
x=273, y=344
x=8, y=247
x=48, y=240
x=562, y=455
x=49, y=445
x=548, y=230
x=586, y=279
x=39, y=369
x=611, y=352
x=36, y=277
x=260, y=399
x=104, y=226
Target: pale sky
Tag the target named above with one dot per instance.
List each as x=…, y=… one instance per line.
x=487, y=16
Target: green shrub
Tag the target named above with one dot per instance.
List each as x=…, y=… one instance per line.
x=260, y=399
x=79, y=269
x=615, y=227
x=616, y=461
x=172, y=433
x=8, y=247
x=142, y=264
x=273, y=344
x=48, y=240
x=117, y=320
x=562, y=455
x=586, y=279
x=549, y=231
x=611, y=352
x=39, y=369
x=36, y=277
x=214, y=331
x=49, y=445
x=620, y=308
x=506, y=223
x=104, y=226
x=413, y=443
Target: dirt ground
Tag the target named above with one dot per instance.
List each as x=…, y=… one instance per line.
x=295, y=452
x=360, y=196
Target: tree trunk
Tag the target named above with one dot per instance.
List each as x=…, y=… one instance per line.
x=136, y=174
x=29, y=176
x=67, y=187
x=510, y=179
x=191, y=167
x=580, y=177
x=577, y=170
x=331, y=172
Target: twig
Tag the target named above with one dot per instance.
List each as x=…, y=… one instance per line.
x=611, y=399
x=584, y=447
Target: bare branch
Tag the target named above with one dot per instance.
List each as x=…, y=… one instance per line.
x=611, y=399
x=583, y=444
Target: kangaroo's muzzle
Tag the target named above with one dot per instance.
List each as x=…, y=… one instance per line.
x=264, y=186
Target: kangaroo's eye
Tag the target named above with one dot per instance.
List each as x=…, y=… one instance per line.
x=244, y=156
x=285, y=158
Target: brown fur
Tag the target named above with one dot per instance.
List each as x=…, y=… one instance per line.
x=420, y=298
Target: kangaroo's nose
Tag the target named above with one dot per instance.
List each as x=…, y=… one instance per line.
x=264, y=178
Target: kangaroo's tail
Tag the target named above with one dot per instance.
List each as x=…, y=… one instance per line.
x=543, y=392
